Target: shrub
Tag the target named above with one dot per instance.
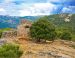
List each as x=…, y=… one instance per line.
x=10, y=51
x=43, y=29
x=0, y=34
x=66, y=36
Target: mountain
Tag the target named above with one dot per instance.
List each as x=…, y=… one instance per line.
x=63, y=21
x=60, y=20
x=13, y=21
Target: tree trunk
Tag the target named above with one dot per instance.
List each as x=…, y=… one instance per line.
x=38, y=40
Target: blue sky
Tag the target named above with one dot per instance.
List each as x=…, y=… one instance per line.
x=36, y=7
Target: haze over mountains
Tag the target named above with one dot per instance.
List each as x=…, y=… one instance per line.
x=13, y=21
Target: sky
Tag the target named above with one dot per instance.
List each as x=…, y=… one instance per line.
x=36, y=7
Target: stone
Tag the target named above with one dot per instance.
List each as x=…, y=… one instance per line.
x=3, y=41
x=11, y=33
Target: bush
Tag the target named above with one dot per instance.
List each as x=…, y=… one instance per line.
x=10, y=51
x=0, y=34
x=66, y=36
x=43, y=29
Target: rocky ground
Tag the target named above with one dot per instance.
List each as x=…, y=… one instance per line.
x=57, y=49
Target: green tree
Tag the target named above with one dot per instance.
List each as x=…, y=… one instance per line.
x=43, y=29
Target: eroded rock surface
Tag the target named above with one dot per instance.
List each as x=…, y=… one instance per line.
x=50, y=50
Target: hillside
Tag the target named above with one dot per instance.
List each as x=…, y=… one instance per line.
x=58, y=19
x=64, y=21
x=31, y=49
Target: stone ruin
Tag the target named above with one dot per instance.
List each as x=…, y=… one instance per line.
x=23, y=29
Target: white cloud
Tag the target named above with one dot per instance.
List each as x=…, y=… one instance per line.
x=69, y=9
x=2, y=10
x=24, y=12
x=37, y=9
x=56, y=1
x=34, y=7
x=65, y=9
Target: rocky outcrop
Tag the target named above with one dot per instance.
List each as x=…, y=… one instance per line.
x=9, y=34
x=46, y=54
x=57, y=49
x=23, y=29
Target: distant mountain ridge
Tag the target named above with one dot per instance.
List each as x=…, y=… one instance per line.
x=13, y=21
x=57, y=19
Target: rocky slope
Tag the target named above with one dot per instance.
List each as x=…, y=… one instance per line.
x=57, y=49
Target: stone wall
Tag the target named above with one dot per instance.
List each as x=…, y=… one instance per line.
x=8, y=34
x=22, y=31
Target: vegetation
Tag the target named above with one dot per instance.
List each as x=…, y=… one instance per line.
x=10, y=51
x=0, y=34
x=66, y=36
x=43, y=29
x=5, y=29
x=62, y=25
x=48, y=27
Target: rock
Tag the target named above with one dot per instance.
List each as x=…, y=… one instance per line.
x=11, y=33
x=53, y=54
x=3, y=41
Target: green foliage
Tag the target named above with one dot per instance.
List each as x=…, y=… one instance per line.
x=66, y=36
x=43, y=29
x=5, y=29
x=59, y=21
x=10, y=51
x=73, y=37
x=60, y=31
